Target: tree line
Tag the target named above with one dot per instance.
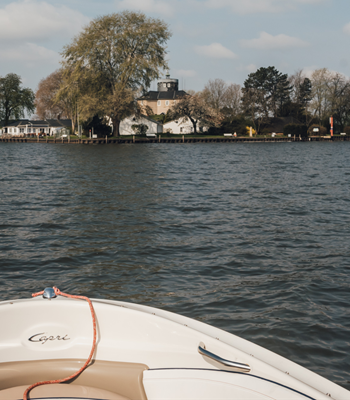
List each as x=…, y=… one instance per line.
x=268, y=94
x=116, y=57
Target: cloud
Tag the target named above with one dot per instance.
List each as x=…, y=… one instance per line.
x=37, y=20
x=30, y=54
x=251, y=68
x=186, y=73
x=258, y=6
x=157, y=6
x=270, y=42
x=247, y=68
x=215, y=50
x=346, y=28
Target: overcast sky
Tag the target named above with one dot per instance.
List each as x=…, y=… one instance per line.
x=211, y=39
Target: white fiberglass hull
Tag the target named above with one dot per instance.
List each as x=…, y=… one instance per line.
x=54, y=336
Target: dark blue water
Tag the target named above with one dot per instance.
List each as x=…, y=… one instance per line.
x=251, y=238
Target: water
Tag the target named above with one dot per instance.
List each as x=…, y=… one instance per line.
x=251, y=238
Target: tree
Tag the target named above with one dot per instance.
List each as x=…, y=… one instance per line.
x=273, y=90
x=196, y=110
x=254, y=104
x=114, y=56
x=15, y=100
x=300, y=95
x=330, y=96
x=223, y=97
x=214, y=94
x=46, y=101
x=339, y=99
x=319, y=105
x=232, y=99
x=140, y=129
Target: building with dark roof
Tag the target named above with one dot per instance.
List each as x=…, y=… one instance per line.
x=161, y=100
x=24, y=127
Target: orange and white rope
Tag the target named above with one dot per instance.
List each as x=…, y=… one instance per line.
x=59, y=293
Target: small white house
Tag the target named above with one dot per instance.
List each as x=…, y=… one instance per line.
x=25, y=127
x=182, y=126
x=125, y=127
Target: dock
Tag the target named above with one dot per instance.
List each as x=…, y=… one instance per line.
x=181, y=139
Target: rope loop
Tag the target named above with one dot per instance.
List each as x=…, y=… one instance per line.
x=59, y=293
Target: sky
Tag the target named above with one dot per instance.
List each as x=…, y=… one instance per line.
x=211, y=39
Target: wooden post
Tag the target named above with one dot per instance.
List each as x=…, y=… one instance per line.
x=106, y=139
x=183, y=138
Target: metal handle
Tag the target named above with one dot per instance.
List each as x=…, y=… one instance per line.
x=238, y=366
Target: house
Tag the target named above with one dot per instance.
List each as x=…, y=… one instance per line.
x=25, y=127
x=161, y=100
x=125, y=127
x=182, y=126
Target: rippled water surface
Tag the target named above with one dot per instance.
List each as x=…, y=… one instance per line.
x=251, y=238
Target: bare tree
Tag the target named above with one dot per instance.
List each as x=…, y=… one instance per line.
x=196, y=110
x=47, y=106
x=319, y=105
x=214, y=94
x=339, y=98
x=233, y=100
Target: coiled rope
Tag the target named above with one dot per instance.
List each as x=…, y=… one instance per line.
x=59, y=293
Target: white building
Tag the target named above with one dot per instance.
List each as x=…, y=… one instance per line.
x=25, y=127
x=125, y=127
x=182, y=126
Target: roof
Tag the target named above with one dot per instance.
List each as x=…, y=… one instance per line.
x=168, y=95
x=54, y=123
x=138, y=118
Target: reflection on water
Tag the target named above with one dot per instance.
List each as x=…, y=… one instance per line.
x=251, y=238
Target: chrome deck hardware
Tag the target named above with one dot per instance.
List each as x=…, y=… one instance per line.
x=49, y=293
x=237, y=366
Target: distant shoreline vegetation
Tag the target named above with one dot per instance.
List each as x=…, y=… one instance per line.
x=99, y=96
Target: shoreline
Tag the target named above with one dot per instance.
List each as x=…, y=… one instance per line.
x=182, y=139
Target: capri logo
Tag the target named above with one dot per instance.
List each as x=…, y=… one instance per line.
x=43, y=338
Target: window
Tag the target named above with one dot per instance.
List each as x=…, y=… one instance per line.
x=159, y=103
x=167, y=102
x=33, y=130
x=181, y=130
x=29, y=130
x=10, y=130
x=21, y=130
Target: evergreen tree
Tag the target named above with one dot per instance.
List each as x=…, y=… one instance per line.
x=273, y=88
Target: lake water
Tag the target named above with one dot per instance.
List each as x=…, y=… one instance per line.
x=251, y=238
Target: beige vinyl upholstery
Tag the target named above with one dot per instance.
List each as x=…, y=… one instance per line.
x=123, y=379
x=58, y=391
